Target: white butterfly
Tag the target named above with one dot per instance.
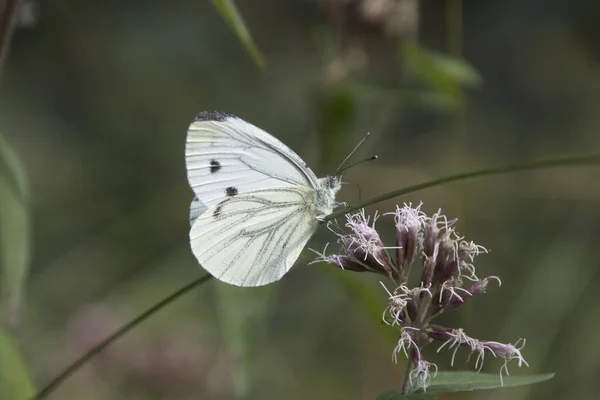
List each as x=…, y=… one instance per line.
x=257, y=203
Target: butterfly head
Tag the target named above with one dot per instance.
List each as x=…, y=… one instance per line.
x=333, y=183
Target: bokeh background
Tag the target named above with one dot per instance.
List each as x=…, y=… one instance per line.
x=95, y=101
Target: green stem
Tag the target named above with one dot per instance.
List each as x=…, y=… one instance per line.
x=567, y=161
x=57, y=380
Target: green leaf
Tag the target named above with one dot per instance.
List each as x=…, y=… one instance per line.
x=460, y=381
x=231, y=14
x=394, y=395
x=444, y=73
x=15, y=383
x=14, y=227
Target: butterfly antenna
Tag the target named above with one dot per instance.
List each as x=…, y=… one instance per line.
x=375, y=157
x=340, y=168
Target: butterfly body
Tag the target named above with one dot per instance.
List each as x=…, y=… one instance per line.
x=256, y=202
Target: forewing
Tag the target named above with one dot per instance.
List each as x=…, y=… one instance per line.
x=225, y=154
x=254, y=239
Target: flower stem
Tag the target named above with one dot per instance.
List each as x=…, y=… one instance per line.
x=566, y=161
x=81, y=361
x=406, y=378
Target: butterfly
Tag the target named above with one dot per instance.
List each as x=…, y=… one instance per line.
x=256, y=202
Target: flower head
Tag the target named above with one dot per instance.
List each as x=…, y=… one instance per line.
x=453, y=339
x=344, y=262
x=364, y=243
x=362, y=248
x=446, y=281
x=508, y=352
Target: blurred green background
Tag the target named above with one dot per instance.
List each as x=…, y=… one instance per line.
x=96, y=98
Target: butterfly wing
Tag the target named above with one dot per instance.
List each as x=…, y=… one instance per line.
x=196, y=209
x=226, y=156
x=254, y=208
x=253, y=239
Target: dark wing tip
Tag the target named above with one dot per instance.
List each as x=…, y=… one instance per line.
x=218, y=116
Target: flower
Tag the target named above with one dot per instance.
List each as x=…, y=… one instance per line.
x=408, y=222
x=447, y=280
x=455, y=338
x=421, y=375
x=397, y=302
x=405, y=343
x=508, y=352
x=362, y=248
x=344, y=262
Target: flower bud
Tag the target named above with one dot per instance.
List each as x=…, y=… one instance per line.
x=439, y=333
x=411, y=309
x=428, y=270
x=444, y=271
x=414, y=354
x=408, y=224
x=430, y=239
x=480, y=287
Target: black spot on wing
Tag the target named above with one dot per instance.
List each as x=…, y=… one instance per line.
x=218, y=116
x=231, y=191
x=215, y=166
